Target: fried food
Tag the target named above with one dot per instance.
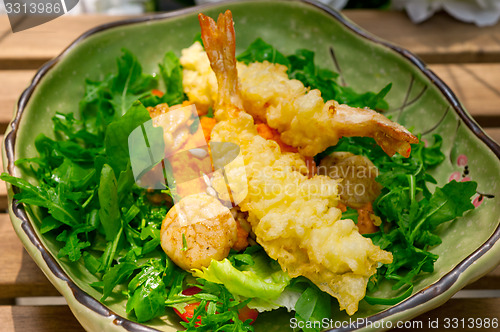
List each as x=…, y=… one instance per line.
x=297, y=113
x=292, y=215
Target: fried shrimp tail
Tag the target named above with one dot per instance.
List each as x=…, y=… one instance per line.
x=390, y=136
x=219, y=41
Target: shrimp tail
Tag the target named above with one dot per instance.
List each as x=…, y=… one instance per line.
x=392, y=140
x=390, y=136
x=219, y=42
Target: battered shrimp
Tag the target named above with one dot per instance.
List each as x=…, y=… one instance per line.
x=334, y=121
x=292, y=214
x=196, y=230
x=300, y=115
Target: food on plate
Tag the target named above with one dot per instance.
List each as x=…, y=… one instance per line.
x=358, y=186
x=290, y=224
x=196, y=230
x=235, y=200
x=286, y=105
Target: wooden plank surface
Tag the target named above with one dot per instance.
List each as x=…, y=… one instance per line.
x=19, y=275
x=12, y=84
x=489, y=281
x=29, y=49
x=494, y=133
x=458, y=315
x=38, y=318
x=441, y=39
x=477, y=86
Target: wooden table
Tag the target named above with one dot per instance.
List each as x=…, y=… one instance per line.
x=464, y=56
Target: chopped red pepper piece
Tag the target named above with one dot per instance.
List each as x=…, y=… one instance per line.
x=157, y=93
x=191, y=291
x=244, y=313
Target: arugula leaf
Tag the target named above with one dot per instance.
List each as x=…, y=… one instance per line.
x=73, y=245
x=350, y=213
x=69, y=128
x=171, y=73
x=148, y=291
x=447, y=203
x=432, y=155
x=260, y=51
x=117, y=133
x=210, y=113
x=238, y=260
x=116, y=275
x=109, y=214
x=130, y=84
x=347, y=95
x=95, y=107
x=52, y=153
x=125, y=183
x=110, y=251
x=150, y=231
x=49, y=223
x=76, y=177
x=218, y=310
x=108, y=99
x=61, y=209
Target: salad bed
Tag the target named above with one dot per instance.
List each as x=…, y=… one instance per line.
x=104, y=220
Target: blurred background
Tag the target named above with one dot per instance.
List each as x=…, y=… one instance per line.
x=137, y=6
x=478, y=12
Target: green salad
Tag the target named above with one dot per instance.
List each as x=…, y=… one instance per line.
x=105, y=221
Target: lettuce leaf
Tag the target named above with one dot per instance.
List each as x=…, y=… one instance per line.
x=264, y=279
x=287, y=299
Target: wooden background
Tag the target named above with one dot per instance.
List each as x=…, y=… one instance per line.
x=466, y=57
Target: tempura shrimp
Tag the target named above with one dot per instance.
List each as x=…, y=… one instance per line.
x=301, y=116
x=292, y=214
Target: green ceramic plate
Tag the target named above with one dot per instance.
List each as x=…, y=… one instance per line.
x=418, y=99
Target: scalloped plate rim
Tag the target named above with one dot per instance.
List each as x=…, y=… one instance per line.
x=446, y=286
